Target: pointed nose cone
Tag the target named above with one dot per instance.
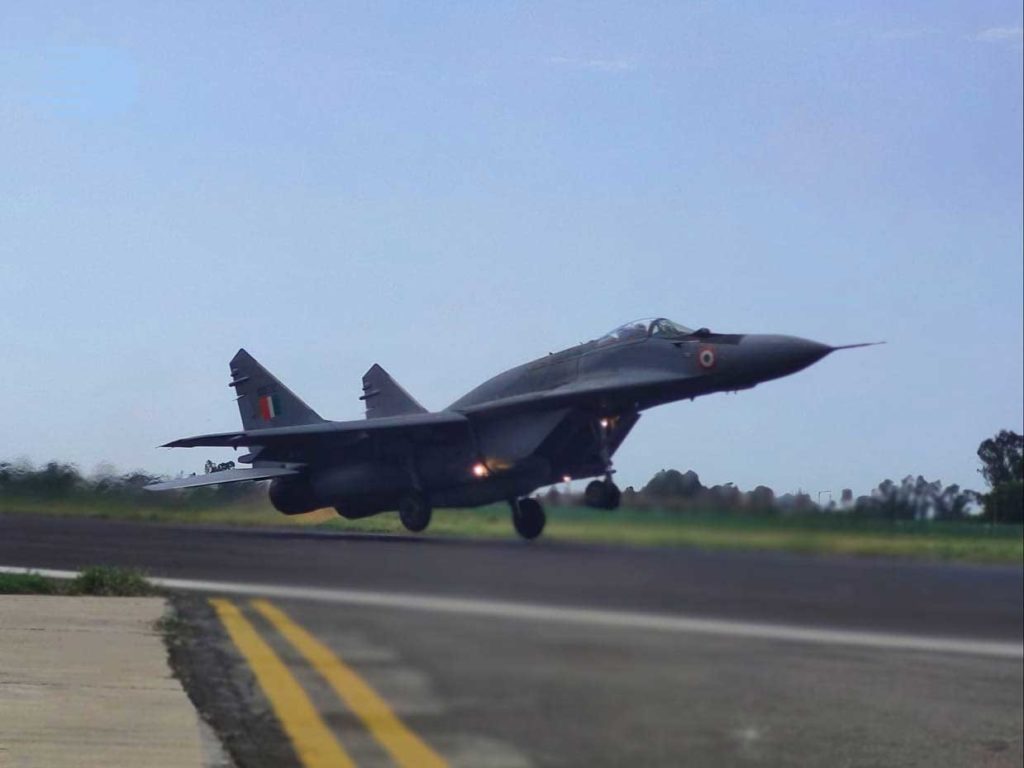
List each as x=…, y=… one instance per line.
x=769, y=357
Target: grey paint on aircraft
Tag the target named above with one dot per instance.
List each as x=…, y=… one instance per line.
x=561, y=415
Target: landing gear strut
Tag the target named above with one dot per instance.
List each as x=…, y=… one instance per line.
x=528, y=517
x=602, y=494
x=414, y=511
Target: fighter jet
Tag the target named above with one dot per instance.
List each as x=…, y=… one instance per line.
x=560, y=417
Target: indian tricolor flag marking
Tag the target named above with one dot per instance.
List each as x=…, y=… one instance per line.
x=270, y=407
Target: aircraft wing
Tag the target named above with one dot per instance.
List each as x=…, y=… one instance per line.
x=325, y=431
x=224, y=476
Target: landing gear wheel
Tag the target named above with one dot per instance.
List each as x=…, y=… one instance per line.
x=414, y=512
x=602, y=494
x=528, y=518
x=613, y=496
x=593, y=496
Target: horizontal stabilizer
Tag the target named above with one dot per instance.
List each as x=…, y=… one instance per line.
x=385, y=397
x=224, y=476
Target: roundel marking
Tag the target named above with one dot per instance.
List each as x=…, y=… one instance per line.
x=706, y=357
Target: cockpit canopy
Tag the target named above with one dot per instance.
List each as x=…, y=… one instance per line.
x=651, y=326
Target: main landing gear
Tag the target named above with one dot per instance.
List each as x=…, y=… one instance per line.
x=528, y=517
x=414, y=511
x=602, y=494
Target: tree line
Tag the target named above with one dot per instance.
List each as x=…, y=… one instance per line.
x=63, y=481
x=912, y=498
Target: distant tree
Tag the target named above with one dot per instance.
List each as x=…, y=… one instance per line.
x=1005, y=503
x=916, y=498
x=951, y=503
x=57, y=479
x=211, y=467
x=691, y=485
x=1002, y=458
x=666, y=483
x=726, y=496
x=761, y=499
x=137, y=480
x=890, y=501
x=920, y=495
x=865, y=505
x=671, y=483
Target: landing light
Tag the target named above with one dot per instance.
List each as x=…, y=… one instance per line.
x=566, y=478
x=480, y=470
x=604, y=423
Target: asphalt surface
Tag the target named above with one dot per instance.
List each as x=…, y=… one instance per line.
x=948, y=600
x=487, y=690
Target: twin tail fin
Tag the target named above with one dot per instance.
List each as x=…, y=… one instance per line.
x=263, y=401
x=385, y=397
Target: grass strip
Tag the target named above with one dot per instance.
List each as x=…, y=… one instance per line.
x=96, y=581
x=28, y=584
x=817, y=533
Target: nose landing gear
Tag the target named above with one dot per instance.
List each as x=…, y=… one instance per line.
x=528, y=517
x=602, y=494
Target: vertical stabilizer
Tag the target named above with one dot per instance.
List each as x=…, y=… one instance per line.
x=263, y=401
x=385, y=397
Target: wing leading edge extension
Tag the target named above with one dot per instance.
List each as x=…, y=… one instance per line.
x=625, y=387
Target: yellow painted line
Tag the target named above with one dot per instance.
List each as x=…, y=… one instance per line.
x=312, y=739
x=407, y=749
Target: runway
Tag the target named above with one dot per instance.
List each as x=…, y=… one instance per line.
x=550, y=654
x=887, y=595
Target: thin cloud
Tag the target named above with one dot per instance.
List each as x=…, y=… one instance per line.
x=1000, y=34
x=594, y=65
x=908, y=34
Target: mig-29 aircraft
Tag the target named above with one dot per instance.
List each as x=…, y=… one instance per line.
x=556, y=418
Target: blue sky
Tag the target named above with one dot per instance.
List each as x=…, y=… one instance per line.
x=453, y=189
